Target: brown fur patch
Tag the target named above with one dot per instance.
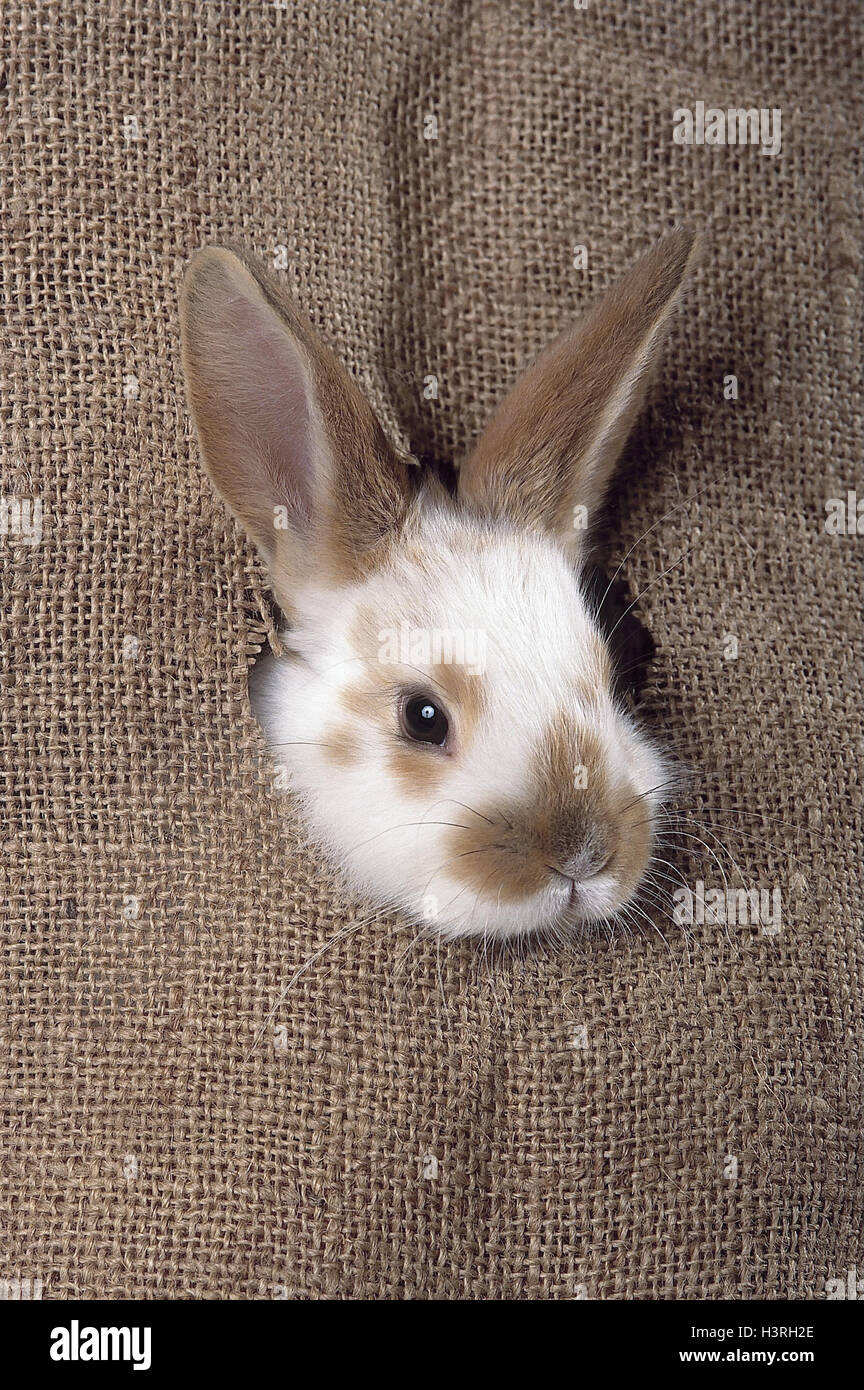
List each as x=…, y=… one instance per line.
x=490, y=857
x=512, y=854
x=339, y=746
x=549, y=446
x=418, y=768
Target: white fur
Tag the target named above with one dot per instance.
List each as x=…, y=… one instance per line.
x=464, y=574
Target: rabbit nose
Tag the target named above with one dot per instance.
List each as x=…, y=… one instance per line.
x=591, y=859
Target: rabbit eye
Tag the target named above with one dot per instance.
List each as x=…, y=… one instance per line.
x=423, y=720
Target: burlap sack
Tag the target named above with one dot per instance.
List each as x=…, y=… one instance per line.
x=635, y=1118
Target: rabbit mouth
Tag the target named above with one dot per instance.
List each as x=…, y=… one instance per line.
x=594, y=899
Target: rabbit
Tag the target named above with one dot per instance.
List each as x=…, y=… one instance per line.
x=446, y=707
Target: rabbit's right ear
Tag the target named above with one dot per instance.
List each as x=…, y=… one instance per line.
x=550, y=447
x=289, y=440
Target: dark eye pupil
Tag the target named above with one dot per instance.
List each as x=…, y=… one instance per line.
x=423, y=720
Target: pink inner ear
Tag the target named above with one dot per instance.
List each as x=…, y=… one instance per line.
x=282, y=425
x=265, y=385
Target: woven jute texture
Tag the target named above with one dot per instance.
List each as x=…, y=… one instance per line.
x=198, y=1100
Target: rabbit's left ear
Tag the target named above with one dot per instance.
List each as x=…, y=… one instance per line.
x=552, y=443
x=288, y=438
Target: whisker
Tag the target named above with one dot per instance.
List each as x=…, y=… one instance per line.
x=643, y=592
x=477, y=897
x=634, y=906
x=758, y=815
x=452, y=860
x=670, y=782
x=686, y=501
x=719, y=865
x=453, y=802
x=319, y=675
x=717, y=840
x=406, y=825
x=426, y=677
x=347, y=930
x=302, y=743
x=730, y=829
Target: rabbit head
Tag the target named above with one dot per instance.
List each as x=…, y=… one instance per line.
x=446, y=707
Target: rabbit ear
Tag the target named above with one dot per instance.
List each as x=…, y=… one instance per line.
x=289, y=440
x=552, y=443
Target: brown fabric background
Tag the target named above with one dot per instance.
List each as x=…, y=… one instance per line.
x=169, y=1128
